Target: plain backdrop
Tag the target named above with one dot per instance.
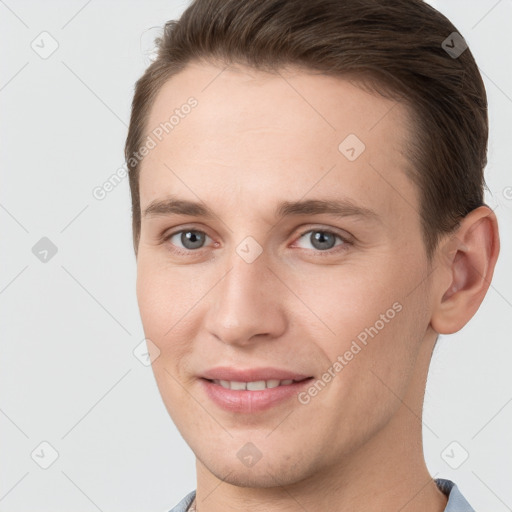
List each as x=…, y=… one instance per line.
x=73, y=395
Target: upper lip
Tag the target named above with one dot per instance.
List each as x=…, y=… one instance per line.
x=251, y=374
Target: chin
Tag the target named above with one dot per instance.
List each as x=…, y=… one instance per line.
x=256, y=477
x=273, y=469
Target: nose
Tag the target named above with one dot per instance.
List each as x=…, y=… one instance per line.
x=247, y=304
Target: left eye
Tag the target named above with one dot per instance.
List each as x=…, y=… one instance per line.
x=321, y=240
x=190, y=239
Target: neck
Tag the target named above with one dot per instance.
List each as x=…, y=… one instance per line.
x=387, y=473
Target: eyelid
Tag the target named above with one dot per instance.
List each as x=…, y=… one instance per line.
x=333, y=231
x=166, y=234
x=346, y=236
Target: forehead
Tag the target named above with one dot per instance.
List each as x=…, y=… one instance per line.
x=266, y=135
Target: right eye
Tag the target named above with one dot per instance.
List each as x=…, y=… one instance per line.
x=190, y=239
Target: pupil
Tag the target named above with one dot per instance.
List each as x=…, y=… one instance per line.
x=322, y=240
x=192, y=239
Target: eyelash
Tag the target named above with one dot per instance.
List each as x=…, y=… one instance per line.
x=329, y=252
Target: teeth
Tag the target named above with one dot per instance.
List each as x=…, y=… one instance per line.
x=256, y=385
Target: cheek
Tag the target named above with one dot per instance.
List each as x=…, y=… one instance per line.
x=378, y=328
x=164, y=294
x=374, y=321
x=350, y=299
x=165, y=298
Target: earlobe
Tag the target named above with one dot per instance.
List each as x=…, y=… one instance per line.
x=469, y=263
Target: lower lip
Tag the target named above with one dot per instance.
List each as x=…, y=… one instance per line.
x=245, y=401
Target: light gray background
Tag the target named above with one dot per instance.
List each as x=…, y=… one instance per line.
x=68, y=375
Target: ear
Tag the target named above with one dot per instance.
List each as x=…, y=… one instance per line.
x=468, y=260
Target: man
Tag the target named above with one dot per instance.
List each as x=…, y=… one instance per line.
x=308, y=217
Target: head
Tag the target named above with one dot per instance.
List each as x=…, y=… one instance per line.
x=334, y=153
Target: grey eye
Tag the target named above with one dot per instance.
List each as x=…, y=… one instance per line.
x=190, y=239
x=320, y=239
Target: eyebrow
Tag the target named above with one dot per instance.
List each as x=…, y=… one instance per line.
x=337, y=207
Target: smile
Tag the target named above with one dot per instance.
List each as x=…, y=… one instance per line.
x=255, y=385
x=252, y=396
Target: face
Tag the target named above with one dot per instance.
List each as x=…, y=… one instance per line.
x=280, y=239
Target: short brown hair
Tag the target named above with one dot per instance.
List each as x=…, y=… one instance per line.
x=393, y=47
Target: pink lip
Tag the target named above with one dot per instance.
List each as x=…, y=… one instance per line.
x=246, y=401
x=250, y=374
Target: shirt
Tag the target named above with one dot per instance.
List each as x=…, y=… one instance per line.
x=456, y=502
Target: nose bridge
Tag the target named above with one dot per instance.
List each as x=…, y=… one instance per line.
x=245, y=302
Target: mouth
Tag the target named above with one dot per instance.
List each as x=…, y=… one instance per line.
x=254, y=396
x=255, y=385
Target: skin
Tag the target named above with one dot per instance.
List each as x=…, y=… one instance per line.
x=256, y=139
